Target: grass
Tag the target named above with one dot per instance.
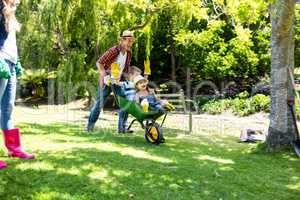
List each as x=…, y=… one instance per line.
x=72, y=165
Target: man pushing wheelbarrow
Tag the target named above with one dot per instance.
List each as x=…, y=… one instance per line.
x=133, y=96
x=120, y=56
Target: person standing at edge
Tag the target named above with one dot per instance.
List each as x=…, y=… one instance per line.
x=10, y=68
x=120, y=55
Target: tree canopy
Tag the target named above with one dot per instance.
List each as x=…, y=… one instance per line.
x=219, y=40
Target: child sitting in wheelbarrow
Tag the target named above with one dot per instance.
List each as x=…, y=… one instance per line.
x=130, y=94
x=146, y=118
x=146, y=96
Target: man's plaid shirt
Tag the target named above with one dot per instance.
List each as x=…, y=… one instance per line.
x=111, y=56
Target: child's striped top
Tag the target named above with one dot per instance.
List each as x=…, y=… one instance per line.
x=129, y=90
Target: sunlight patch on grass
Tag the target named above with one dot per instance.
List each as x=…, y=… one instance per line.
x=50, y=195
x=215, y=159
x=47, y=145
x=71, y=171
x=288, y=157
x=121, y=173
x=294, y=186
x=29, y=129
x=129, y=151
x=226, y=168
x=99, y=175
x=106, y=176
x=112, y=187
x=35, y=166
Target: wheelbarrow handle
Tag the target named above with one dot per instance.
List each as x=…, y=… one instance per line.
x=291, y=101
x=292, y=109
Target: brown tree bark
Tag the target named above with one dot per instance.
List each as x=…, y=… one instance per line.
x=281, y=129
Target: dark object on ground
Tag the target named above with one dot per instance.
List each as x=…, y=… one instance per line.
x=126, y=131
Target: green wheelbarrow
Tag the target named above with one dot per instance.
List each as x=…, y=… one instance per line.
x=148, y=120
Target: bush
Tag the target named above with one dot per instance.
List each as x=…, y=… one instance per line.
x=217, y=106
x=35, y=81
x=260, y=103
x=257, y=103
x=213, y=107
x=243, y=95
x=232, y=91
x=202, y=100
x=263, y=87
x=241, y=106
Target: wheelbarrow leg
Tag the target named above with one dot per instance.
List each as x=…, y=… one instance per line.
x=162, y=123
x=129, y=127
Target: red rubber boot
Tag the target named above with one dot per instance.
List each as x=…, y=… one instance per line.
x=2, y=165
x=13, y=144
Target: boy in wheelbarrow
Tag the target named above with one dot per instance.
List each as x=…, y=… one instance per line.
x=129, y=92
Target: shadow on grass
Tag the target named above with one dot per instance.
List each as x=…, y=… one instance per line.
x=109, y=166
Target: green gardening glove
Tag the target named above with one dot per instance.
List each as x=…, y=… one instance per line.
x=4, y=69
x=19, y=69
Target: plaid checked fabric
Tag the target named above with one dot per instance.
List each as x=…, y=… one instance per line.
x=111, y=56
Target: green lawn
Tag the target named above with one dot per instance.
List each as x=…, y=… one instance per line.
x=74, y=165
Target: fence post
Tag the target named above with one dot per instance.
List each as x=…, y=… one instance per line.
x=190, y=122
x=181, y=92
x=188, y=94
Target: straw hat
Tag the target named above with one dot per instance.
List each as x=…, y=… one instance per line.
x=139, y=78
x=127, y=33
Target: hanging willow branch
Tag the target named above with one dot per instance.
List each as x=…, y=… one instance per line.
x=141, y=26
x=150, y=12
x=60, y=44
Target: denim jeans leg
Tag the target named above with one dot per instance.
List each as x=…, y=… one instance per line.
x=121, y=124
x=118, y=90
x=122, y=114
x=3, y=85
x=125, y=120
x=7, y=103
x=96, y=109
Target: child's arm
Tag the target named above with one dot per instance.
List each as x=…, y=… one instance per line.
x=156, y=97
x=137, y=98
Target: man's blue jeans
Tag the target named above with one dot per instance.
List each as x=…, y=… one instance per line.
x=7, y=98
x=123, y=117
x=103, y=93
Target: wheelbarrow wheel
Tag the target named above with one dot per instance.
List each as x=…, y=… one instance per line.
x=153, y=134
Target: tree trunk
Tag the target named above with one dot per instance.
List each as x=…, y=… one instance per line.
x=281, y=129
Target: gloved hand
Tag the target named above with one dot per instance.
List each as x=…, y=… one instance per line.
x=19, y=69
x=4, y=69
x=168, y=105
x=107, y=80
x=147, y=68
